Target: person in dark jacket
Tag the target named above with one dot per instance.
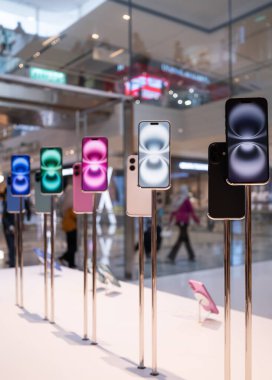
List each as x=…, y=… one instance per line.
x=182, y=216
x=8, y=222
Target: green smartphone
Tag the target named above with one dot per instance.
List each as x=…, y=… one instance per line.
x=51, y=170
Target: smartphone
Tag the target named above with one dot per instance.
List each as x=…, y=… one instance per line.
x=13, y=203
x=42, y=202
x=154, y=154
x=83, y=203
x=51, y=171
x=247, y=141
x=94, y=164
x=224, y=200
x=139, y=200
x=20, y=175
x=203, y=296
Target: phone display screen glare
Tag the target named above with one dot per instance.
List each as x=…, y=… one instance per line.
x=51, y=170
x=154, y=154
x=94, y=164
x=247, y=140
x=20, y=175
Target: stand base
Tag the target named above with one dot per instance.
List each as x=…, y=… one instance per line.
x=154, y=373
x=52, y=322
x=94, y=343
x=141, y=367
x=85, y=338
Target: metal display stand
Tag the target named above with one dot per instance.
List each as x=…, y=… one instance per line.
x=227, y=336
x=45, y=267
x=248, y=286
x=85, y=280
x=20, y=252
x=141, y=293
x=154, y=282
x=16, y=235
x=94, y=325
x=52, y=262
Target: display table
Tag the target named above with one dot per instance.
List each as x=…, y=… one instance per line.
x=33, y=349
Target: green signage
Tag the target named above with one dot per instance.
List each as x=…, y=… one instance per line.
x=45, y=75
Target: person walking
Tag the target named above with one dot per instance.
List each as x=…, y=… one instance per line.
x=69, y=226
x=182, y=216
x=8, y=222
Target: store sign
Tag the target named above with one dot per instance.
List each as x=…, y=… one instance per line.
x=185, y=73
x=50, y=76
x=146, y=87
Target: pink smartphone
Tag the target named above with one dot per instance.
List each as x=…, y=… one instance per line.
x=83, y=203
x=139, y=200
x=203, y=296
x=94, y=164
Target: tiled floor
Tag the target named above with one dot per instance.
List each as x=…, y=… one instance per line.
x=208, y=247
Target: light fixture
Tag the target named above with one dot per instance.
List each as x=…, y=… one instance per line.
x=198, y=166
x=21, y=65
x=137, y=101
x=49, y=40
x=191, y=90
x=180, y=101
x=126, y=17
x=67, y=171
x=2, y=178
x=2, y=254
x=37, y=54
x=116, y=53
x=175, y=95
x=236, y=80
x=170, y=92
x=188, y=102
x=54, y=42
x=95, y=36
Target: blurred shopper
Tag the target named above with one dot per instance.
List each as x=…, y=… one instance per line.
x=8, y=222
x=182, y=218
x=69, y=226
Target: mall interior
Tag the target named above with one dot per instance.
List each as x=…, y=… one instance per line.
x=76, y=68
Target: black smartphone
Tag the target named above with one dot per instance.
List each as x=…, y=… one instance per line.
x=224, y=200
x=247, y=141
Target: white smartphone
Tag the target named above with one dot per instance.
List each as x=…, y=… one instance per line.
x=138, y=200
x=154, y=155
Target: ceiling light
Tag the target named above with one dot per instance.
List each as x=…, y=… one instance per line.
x=188, y=102
x=49, y=40
x=67, y=171
x=175, y=95
x=126, y=17
x=137, y=101
x=180, y=101
x=116, y=53
x=95, y=36
x=191, y=90
x=37, y=54
x=2, y=254
x=21, y=65
x=199, y=166
x=170, y=92
x=53, y=43
x=236, y=80
x=2, y=178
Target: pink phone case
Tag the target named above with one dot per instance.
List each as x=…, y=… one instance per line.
x=200, y=290
x=83, y=203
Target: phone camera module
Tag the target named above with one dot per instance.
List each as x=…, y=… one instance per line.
x=132, y=168
x=132, y=160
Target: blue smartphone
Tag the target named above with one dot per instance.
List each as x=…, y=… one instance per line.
x=13, y=203
x=20, y=175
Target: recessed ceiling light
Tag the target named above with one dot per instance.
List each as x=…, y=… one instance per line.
x=21, y=65
x=95, y=36
x=236, y=80
x=180, y=101
x=126, y=17
x=116, y=53
x=175, y=95
x=2, y=178
x=170, y=92
x=191, y=90
x=137, y=101
x=37, y=54
x=188, y=102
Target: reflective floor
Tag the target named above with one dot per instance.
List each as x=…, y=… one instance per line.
x=208, y=246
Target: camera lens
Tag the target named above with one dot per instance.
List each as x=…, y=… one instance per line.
x=132, y=160
x=132, y=168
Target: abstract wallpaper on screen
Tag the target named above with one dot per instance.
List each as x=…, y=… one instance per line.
x=94, y=164
x=51, y=170
x=154, y=155
x=20, y=175
x=247, y=141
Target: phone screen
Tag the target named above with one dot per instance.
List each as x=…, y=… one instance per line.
x=154, y=154
x=51, y=170
x=94, y=164
x=20, y=175
x=247, y=140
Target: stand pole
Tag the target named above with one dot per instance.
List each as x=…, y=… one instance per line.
x=52, y=262
x=45, y=266
x=141, y=293
x=85, y=281
x=227, y=368
x=20, y=248
x=154, y=282
x=248, y=290
x=16, y=235
x=94, y=342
